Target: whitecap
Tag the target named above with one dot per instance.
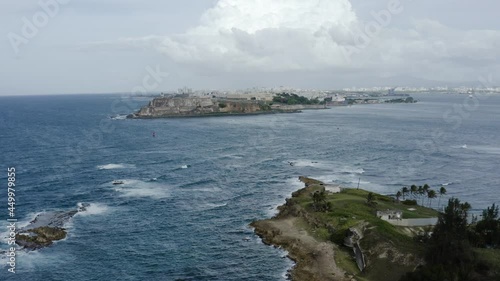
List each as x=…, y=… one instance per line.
x=92, y=209
x=138, y=188
x=119, y=117
x=211, y=206
x=115, y=166
x=291, y=185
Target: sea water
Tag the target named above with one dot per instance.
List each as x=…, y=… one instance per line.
x=190, y=189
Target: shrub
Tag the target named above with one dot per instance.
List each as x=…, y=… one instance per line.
x=410, y=202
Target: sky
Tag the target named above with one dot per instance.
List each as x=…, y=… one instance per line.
x=110, y=46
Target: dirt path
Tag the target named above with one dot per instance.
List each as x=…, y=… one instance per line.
x=314, y=259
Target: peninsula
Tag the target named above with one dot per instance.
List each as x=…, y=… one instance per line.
x=188, y=106
x=211, y=104
x=335, y=234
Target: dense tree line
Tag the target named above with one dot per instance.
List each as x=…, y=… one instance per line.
x=291, y=99
x=450, y=254
x=421, y=193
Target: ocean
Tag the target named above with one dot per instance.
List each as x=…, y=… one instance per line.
x=192, y=186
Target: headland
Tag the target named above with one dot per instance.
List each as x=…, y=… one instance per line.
x=334, y=234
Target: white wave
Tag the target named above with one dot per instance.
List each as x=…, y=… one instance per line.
x=289, y=265
x=485, y=149
x=119, y=117
x=291, y=185
x=207, y=189
x=31, y=261
x=138, y=188
x=211, y=206
x=93, y=209
x=115, y=166
x=233, y=156
x=334, y=167
x=185, y=166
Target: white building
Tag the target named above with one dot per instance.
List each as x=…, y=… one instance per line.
x=390, y=215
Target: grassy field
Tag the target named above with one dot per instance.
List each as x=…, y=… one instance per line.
x=389, y=251
x=350, y=209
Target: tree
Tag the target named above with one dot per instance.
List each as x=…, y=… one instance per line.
x=489, y=227
x=431, y=194
x=466, y=206
x=398, y=195
x=442, y=191
x=424, y=192
x=370, y=198
x=413, y=190
x=421, y=193
x=405, y=191
x=319, y=201
x=449, y=247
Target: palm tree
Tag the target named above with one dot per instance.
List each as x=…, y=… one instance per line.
x=465, y=207
x=442, y=191
x=413, y=190
x=370, y=198
x=431, y=194
x=405, y=191
x=398, y=195
x=421, y=193
x=425, y=192
x=319, y=201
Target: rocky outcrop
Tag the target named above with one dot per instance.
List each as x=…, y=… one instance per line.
x=313, y=239
x=165, y=107
x=353, y=236
x=46, y=228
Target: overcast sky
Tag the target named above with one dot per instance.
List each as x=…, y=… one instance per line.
x=104, y=46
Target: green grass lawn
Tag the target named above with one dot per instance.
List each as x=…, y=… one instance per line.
x=350, y=209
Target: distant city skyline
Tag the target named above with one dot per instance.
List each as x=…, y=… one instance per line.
x=110, y=46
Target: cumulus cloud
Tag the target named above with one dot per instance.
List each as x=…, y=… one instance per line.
x=275, y=35
x=314, y=35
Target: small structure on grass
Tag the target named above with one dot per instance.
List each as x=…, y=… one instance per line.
x=390, y=215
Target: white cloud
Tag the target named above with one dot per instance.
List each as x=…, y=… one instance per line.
x=313, y=35
x=267, y=35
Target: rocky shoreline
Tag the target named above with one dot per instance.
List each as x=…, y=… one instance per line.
x=45, y=229
x=340, y=238
x=314, y=259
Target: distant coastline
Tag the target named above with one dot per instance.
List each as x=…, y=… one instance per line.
x=180, y=106
x=177, y=107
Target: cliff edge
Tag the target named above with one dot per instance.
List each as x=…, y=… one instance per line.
x=334, y=234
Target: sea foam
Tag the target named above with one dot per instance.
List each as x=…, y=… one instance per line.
x=93, y=209
x=115, y=166
x=138, y=188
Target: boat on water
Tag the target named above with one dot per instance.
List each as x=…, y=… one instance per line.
x=116, y=182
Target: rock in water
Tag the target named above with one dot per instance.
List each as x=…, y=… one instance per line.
x=46, y=228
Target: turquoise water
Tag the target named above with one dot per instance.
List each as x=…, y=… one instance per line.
x=191, y=191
